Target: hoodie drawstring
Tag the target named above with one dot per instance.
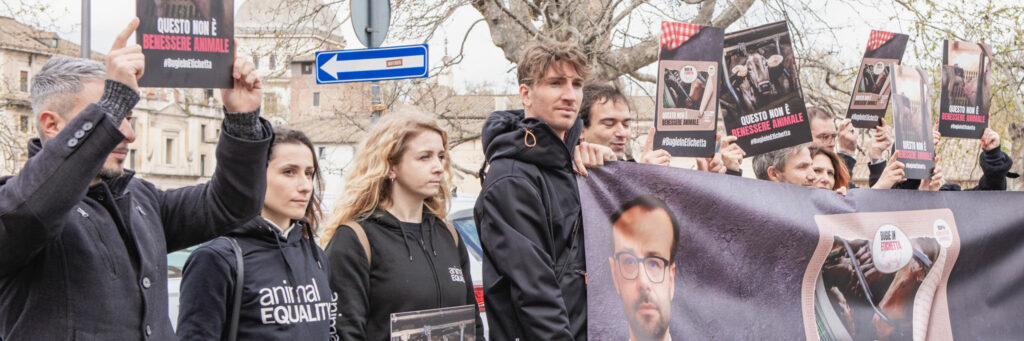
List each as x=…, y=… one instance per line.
x=287, y=264
x=430, y=238
x=405, y=238
x=312, y=246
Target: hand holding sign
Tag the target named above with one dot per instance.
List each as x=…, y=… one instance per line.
x=248, y=90
x=893, y=173
x=125, y=65
x=881, y=140
x=732, y=154
x=990, y=139
x=655, y=157
x=847, y=137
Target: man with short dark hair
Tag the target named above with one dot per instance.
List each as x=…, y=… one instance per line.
x=645, y=240
x=606, y=120
x=83, y=243
x=528, y=211
x=791, y=165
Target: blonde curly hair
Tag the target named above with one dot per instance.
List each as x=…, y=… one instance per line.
x=366, y=182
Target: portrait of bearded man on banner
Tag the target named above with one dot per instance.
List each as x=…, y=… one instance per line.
x=645, y=237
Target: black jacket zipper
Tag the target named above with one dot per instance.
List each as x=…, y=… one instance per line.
x=433, y=271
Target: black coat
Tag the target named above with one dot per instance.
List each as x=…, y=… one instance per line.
x=274, y=267
x=528, y=216
x=407, y=274
x=80, y=262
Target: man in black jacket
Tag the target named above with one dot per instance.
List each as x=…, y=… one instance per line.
x=528, y=213
x=83, y=244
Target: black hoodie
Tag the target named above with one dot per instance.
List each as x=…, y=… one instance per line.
x=528, y=216
x=286, y=294
x=407, y=274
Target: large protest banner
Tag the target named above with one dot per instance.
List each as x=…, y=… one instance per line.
x=696, y=255
x=871, y=91
x=965, y=99
x=188, y=44
x=760, y=90
x=686, y=111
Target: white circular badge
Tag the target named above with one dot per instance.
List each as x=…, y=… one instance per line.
x=943, y=233
x=879, y=68
x=688, y=74
x=891, y=249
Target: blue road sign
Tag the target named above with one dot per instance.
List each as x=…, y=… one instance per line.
x=385, y=63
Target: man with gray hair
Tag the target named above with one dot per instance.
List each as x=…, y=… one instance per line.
x=83, y=243
x=791, y=165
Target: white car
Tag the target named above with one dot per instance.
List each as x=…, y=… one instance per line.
x=460, y=215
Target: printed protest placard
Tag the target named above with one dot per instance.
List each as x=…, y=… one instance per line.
x=964, y=101
x=187, y=43
x=760, y=90
x=451, y=323
x=913, y=121
x=870, y=97
x=686, y=114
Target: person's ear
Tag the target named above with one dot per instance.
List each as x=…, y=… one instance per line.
x=615, y=275
x=524, y=95
x=671, y=281
x=774, y=174
x=50, y=124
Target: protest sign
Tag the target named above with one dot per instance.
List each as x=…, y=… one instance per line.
x=760, y=90
x=965, y=98
x=451, y=323
x=913, y=120
x=188, y=44
x=871, y=91
x=697, y=255
x=686, y=114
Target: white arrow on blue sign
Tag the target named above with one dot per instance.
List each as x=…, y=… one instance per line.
x=384, y=63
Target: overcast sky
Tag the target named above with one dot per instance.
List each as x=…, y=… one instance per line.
x=484, y=63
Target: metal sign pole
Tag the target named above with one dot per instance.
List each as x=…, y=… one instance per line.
x=375, y=98
x=86, y=35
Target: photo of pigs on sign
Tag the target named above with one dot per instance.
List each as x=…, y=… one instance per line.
x=760, y=92
x=187, y=43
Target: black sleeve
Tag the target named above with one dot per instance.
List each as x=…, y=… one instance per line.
x=738, y=172
x=192, y=215
x=514, y=234
x=849, y=160
x=350, y=279
x=207, y=288
x=994, y=166
x=470, y=293
x=875, y=172
x=33, y=203
x=911, y=184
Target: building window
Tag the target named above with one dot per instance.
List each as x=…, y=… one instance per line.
x=209, y=94
x=316, y=99
x=202, y=165
x=270, y=102
x=256, y=62
x=202, y=133
x=169, y=150
x=307, y=68
x=131, y=159
x=23, y=81
x=273, y=62
x=23, y=123
x=322, y=151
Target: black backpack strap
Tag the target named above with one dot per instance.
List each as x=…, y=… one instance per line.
x=236, y=309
